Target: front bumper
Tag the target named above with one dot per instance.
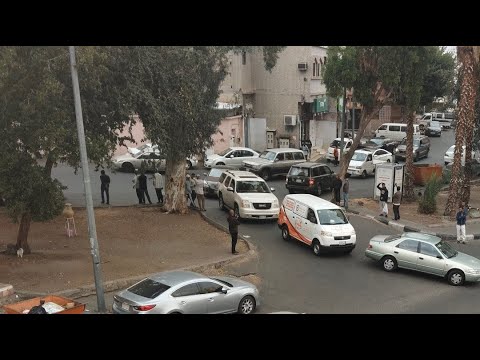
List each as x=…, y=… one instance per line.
x=352, y=171
x=250, y=213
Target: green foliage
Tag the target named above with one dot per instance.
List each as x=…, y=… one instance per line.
x=428, y=203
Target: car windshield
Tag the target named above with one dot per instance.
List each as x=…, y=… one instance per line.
x=269, y=155
x=148, y=288
x=225, y=152
x=332, y=217
x=446, y=249
x=358, y=156
x=252, y=187
x=223, y=282
x=335, y=143
x=298, y=171
x=392, y=238
x=215, y=172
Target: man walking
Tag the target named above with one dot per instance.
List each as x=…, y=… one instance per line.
x=461, y=221
x=383, y=199
x=233, y=229
x=199, y=193
x=158, y=184
x=104, y=187
x=346, y=188
x=142, y=179
x=337, y=186
x=396, y=198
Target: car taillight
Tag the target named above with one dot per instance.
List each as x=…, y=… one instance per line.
x=311, y=181
x=144, y=307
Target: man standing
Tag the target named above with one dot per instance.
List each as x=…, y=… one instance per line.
x=233, y=229
x=337, y=186
x=188, y=190
x=158, y=184
x=104, y=187
x=461, y=221
x=396, y=198
x=346, y=188
x=199, y=193
x=142, y=179
x=383, y=199
x=335, y=155
x=136, y=186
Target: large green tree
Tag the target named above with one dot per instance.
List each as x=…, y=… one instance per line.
x=373, y=73
x=174, y=90
x=38, y=127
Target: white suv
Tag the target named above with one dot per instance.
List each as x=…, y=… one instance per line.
x=248, y=195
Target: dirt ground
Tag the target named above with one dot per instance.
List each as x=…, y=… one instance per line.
x=409, y=211
x=132, y=241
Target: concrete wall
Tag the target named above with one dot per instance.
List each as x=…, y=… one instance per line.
x=322, y=132
x=230, y=134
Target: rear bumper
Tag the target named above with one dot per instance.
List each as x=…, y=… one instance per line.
x=304, y=188
x=373, y=255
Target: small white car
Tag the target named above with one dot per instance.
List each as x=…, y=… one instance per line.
x=232, y=156
x=151, y=161
x=363, y=162
x=346, y=145
x=448, y=157
x=248, y=195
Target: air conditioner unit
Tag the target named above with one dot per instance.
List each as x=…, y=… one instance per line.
x=302, y=66
x=290, y=120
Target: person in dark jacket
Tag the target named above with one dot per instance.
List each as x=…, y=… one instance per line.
x=142, y=181
x=233, y=229
x=104, y=187
x=337, y=186
x=461, y=221
x=396, y=198
x=346, y=189
x=383, y=199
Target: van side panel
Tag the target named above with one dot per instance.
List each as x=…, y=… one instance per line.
x=286, y=218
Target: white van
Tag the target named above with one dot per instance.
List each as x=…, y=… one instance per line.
x=395, y=131
x=316, y=222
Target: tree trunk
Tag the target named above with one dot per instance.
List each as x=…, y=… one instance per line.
x=364, y=121
x=466, y=109
x=409, y=194
x=175, y=172
x=22, y=236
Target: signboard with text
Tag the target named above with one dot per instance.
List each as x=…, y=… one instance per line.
x=391, y=175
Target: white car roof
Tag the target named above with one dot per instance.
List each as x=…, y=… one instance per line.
x=364, y=151
x=312, y=201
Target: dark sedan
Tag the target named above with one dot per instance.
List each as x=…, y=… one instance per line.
x=310, y=178
x=380, y=143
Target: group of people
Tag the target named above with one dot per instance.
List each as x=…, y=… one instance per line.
x=383, y=201
x=194, y=191
x=140, y=185
x=338, y=187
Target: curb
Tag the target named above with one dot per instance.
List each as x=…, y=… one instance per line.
x=122, y=283
x=407, y=228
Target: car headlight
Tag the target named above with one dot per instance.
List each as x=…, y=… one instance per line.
x=473, y=271
x=326, y=233
x=275, y=203
x=246, y=204
x=396, y=150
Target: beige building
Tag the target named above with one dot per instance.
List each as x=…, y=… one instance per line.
x=292, y=97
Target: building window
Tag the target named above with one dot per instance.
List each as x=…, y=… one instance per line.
x=314, y=67
x=244, y=57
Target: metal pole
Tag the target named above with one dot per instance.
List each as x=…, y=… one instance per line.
x=353, y=117
x=342, y=126
x=92, y=230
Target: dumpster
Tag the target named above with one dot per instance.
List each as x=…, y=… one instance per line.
x=51, y=303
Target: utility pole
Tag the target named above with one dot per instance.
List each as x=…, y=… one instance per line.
x=92, y=230
x=342, y=125
x=353, y=117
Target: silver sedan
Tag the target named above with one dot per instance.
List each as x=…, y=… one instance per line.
x=186, y=292
x=425, y=253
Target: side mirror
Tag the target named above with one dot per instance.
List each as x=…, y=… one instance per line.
x=272, y=189
x=224, y=290
x=230, y=189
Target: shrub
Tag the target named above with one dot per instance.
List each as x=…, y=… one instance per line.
x=428, y=203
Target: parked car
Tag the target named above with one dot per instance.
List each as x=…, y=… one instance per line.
x=347, y=142
x=380, y=143
x=210, y=183
x=137, y=150
x=309, y=177
x=445, y=119
x=363, y=162
x=433, y=128
x=448, y=157
x=248, y=195
x=151, y=161
x=232, y=156
x=425, y=253
x=273, y=162
x=421, y=148
x=186, y=292
x=395, y=131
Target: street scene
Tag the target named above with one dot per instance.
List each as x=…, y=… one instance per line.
x=335, y=209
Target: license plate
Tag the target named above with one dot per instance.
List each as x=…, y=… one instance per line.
x=262, y=217
x=299, y=180
x=125, y=306
x=341, y=243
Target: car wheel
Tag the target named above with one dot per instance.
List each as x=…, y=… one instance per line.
x=265, y=174
x=456, y=277
x=364, y=174
x=221, y=204
x=316, y=247
x=285, y=233
x=128, y=167
x=389, y=263
x=237, y=211
x=247, y=305
x=220, y=163
x=189, y=165
x=319, y=189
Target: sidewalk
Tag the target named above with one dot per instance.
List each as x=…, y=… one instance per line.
x=446, y=232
